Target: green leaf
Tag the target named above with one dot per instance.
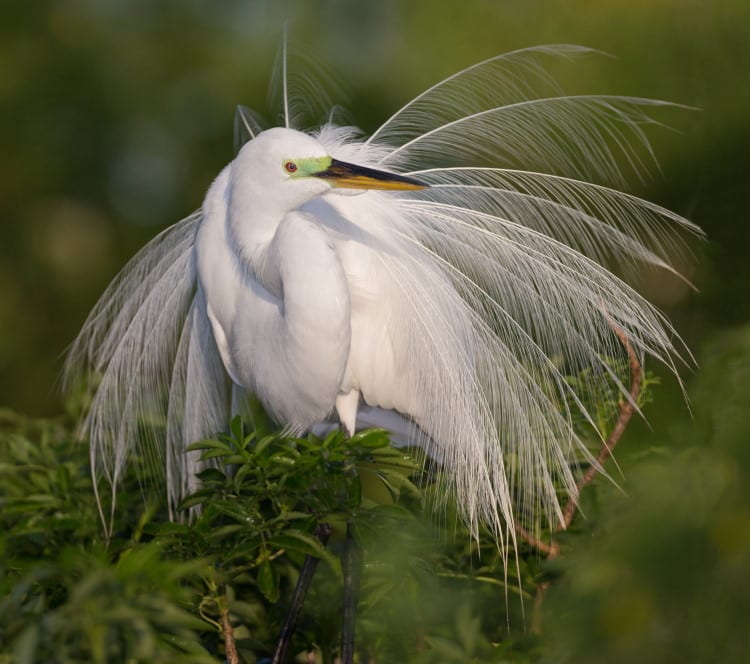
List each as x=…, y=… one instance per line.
x=244, y=470
x=293, y=516
x=370, y=438
x=211, y=475
x=247, y=441
x=262, y=444
x=268, y=581
x=223, y=531
x=282, y=459
x=247, y=549
x=296, y=540
x=354, y=493
x=197, y=498
x=235, y=426
x=172, y=528
x=397, y=482
x=242, y=512
x=209, y=444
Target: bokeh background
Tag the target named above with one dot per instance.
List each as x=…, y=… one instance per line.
x=115, y=115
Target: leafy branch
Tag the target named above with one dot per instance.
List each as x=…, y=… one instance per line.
x=628, y=407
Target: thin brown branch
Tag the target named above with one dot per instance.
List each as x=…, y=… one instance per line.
x=230, y=647
x=536, y=616
x=549, y=550
x=628, y=406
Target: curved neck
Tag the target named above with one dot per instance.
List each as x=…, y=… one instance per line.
x=295, y=260
x=278, y=300
x=309, y=335
x=252, y=219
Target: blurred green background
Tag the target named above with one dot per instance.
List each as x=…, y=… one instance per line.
x=116, y=115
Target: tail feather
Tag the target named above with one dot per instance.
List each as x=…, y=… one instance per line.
x=200, y=398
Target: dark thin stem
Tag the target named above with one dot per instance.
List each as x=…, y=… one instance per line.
x=322, y=532
x=352, y=564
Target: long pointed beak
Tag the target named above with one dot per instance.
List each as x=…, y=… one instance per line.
x=351, y=176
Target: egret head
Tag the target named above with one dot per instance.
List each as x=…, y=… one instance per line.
x=295, y=166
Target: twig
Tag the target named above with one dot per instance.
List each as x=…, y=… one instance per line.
x=230, y=647
x=322, y=532
x=627, y=408
x=549, y=550
x=536, y=616
x=352, y=563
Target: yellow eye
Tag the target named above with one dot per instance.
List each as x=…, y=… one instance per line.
x=290, y=167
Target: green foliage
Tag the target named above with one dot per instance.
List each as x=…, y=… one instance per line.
x=66, y=597
x=157, y=590
x=142, y=94
x=657, y=574
x=603, y=399
x=665, y=576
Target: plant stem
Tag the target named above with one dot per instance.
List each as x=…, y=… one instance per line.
x=230, y=647
x=352, y=564
x=322, y=532
x=627, y=408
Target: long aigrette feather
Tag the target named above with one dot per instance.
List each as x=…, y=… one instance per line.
x=498, y=281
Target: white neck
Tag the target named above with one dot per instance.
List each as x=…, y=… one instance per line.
x=252, y=219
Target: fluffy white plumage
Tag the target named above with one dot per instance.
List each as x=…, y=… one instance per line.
x=462, y=306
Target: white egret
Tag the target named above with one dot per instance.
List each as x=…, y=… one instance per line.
x=439, y=278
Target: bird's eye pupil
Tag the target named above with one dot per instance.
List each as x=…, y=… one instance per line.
x=290, y=166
